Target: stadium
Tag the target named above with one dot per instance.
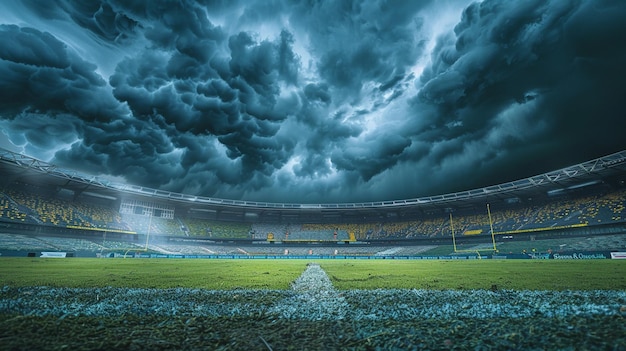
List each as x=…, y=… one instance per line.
x=312, y=175
x=584, y=201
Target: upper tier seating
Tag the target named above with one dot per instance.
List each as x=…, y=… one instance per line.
x=29, y=204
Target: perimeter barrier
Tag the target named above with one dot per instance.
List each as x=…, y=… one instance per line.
x=571, y=255
x=578, y=255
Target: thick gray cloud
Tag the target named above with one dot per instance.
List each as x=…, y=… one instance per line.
x=522, y=88
x=38, y=73
x=298, y=101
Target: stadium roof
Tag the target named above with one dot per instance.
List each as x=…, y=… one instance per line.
x=14, y=166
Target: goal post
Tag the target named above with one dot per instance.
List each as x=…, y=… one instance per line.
x=477, y=251
x=493, y=237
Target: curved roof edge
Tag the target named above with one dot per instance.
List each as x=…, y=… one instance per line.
x=559, y=178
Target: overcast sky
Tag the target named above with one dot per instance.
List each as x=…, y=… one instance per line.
x=313, y=101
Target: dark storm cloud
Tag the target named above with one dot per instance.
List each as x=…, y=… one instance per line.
x=38, y=73
x=195, y=86
x=378, y=154
x=99, y=18
x=313, y=101
x=522, y=88
x=317, y=92
x=358, y=42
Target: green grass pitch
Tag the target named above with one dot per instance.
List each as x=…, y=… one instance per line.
x=345, y=274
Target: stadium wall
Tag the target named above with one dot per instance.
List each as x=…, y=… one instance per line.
x=570, y=255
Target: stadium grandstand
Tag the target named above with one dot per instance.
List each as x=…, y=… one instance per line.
x=46, y=208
